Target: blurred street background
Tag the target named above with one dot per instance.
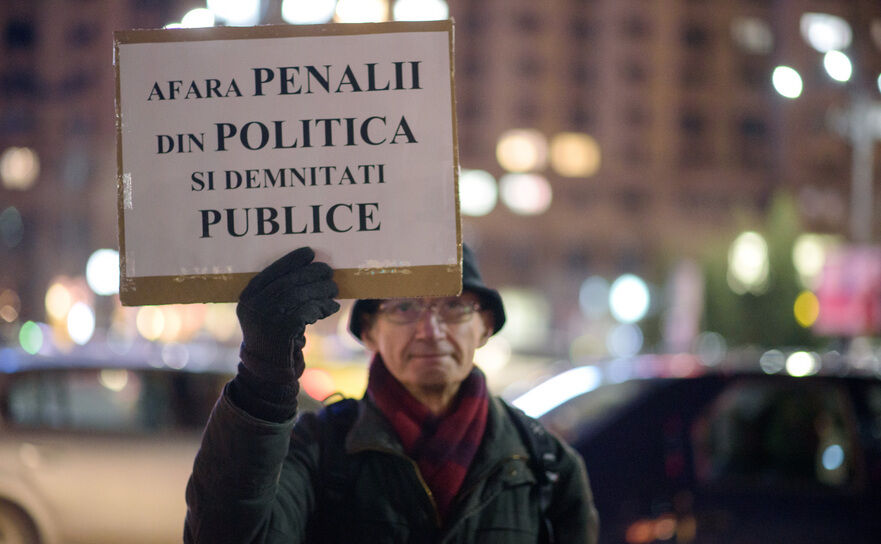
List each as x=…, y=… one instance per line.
x=637, y=177
x=658, y=188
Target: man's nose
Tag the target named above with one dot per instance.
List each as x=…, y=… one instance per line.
x=429, y=324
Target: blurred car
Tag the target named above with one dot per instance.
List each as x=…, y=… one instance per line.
x=98, y=450
x=731, y=457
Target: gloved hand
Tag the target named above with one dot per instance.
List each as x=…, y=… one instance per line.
x=274, y=309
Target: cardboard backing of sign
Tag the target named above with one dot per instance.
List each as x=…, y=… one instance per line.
x=237, y=145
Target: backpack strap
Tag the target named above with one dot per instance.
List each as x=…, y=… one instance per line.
x=336, y=421
x=336, y=470
x=542, y=459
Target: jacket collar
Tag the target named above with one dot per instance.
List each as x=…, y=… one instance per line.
x=371, y=431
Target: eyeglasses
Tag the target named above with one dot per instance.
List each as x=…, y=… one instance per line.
x=448, y=310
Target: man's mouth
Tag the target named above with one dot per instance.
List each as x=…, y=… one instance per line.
x=431, y=353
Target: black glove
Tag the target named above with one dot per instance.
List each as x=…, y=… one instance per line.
x=273, y=310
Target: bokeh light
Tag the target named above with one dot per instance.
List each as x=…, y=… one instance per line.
x=528, y=320
x=304, y=12
x=809, y=255
x=624, y=340
x=197, y=18
x=317, y=383
x=825, y=32
x=522, y=150
x=221, y=321
x=478, y=192
x=176, y=356
x=526, y=194
x=593, y=297
x=150, y=322
x=361, y=11
x=640, y=531
x=19, y=168
x=806, y=309
x=838, y=66
x=494, y=355
x=420, y=10
x=172, y=323
x=802, y=363
x=58, y=301
x=236, y=12
x=30, y=337
x=102, y=272
x=748, y=265
x=10, y=305
x=114, y=379
x=772, y=361
x=81, y=323
x=833, y=457
x=629, y=298
x=787, y=81
x=753, y=34
x=710, y=347
x=574, y=155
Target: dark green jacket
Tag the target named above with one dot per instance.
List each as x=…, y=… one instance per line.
x=257, y=481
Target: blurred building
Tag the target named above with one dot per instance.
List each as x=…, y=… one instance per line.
x=672, y=101
x=57, y=95
x=678, y=96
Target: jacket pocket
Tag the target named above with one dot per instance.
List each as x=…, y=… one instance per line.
x=511, y=513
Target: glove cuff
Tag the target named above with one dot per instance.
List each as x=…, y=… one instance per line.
x=269, y=400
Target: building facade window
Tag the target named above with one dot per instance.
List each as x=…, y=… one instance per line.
x=635, y=27
x=16, y=120
x=695, y=145
x=527, y=110
x=19, y=82
x=581, y=118
x=82, y=34
x=635, y=115
x=582, y=74
x=695, y=36
x=694, y=72
x=529, y=66
x=634, y=71
x=19, y=34
x=753, y=142
x=582, y=29
x=528, y=23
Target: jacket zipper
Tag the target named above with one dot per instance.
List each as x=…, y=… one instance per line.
x=428, y=493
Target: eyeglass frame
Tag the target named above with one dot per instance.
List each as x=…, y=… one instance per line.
x=475, y=307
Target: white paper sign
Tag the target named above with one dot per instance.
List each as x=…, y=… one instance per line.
x=239, y=145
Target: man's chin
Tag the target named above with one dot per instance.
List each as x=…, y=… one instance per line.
x=433, y=370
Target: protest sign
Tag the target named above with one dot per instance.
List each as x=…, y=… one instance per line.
x=237, y=145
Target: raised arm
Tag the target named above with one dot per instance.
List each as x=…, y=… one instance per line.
x=234, y=493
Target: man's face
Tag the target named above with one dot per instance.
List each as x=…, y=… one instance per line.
x=429, y=354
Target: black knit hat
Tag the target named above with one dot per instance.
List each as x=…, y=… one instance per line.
x=471, y=281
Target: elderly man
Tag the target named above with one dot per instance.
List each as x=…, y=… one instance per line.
x=426, y=456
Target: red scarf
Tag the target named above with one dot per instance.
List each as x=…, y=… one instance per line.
x=443, y=446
